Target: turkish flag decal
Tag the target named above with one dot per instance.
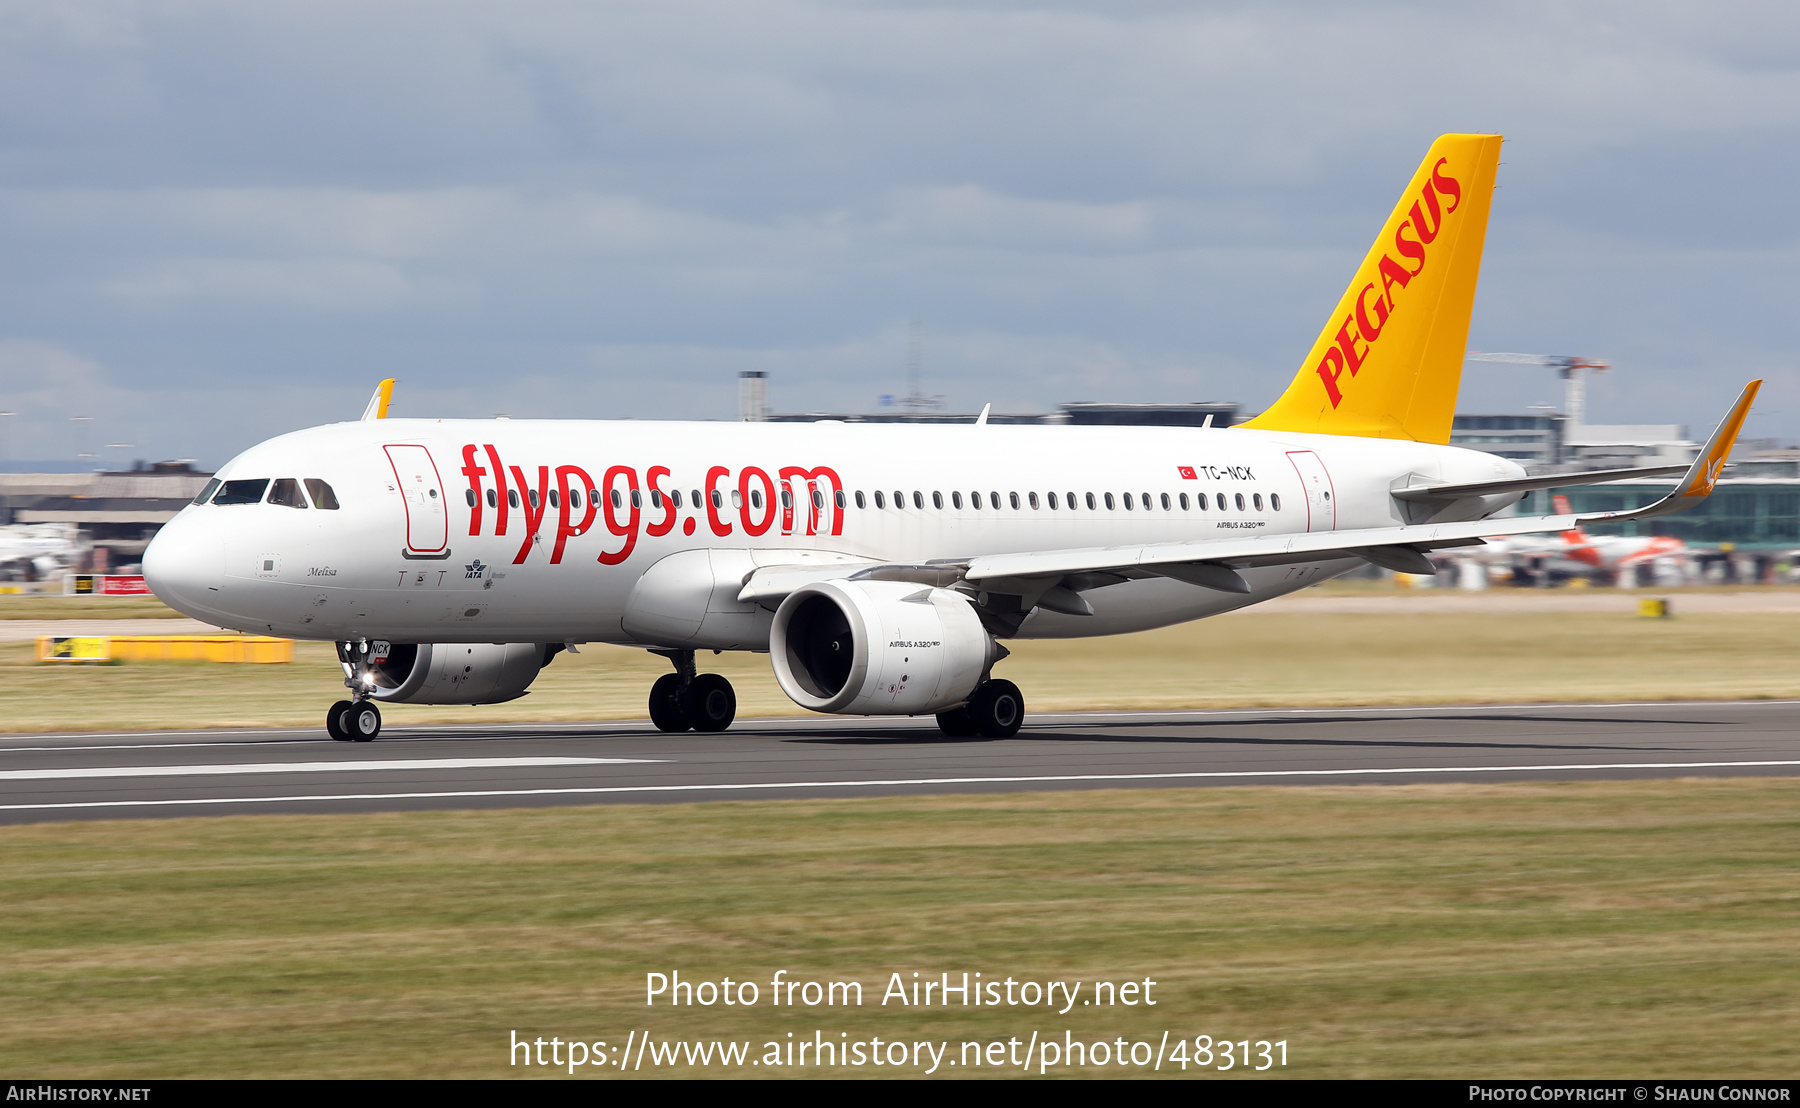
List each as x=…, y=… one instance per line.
x=1187, y=473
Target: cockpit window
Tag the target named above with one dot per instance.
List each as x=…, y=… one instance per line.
x=322, y=496
x=286, y=492
x=242, y=492
x=212, y=486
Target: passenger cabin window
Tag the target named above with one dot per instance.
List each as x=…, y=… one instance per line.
x=493, y=501
x=553, y=501
x=1200, y=500
x=1165, y=501
x=655, y=499
x=469, y=497
x=512, y=497
x=1109, y=502
x=1275, y=501
x=1256, y=498
x=1071, y=502
x=286, y=492
x=937, y=501
x=918, y=500
x=1128, y=502
x=838, y=498
x=1184, y=502
x=242, y=492
x=534, y=497
x=879, y=499
x=955, y=499
x=975, y=500
x=1240, y=501
x=212, y=486
x=1090, y=502
x=860, y=502
x=1032, y=497
x=1052, y=501
x=899, y=499
x=675, y=497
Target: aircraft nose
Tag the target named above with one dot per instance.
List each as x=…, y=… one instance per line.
x=185, y=565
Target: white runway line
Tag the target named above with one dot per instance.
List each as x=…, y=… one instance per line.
x=896, y=782
x=305, y=767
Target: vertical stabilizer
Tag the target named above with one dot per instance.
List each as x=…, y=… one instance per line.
x=1389, y=361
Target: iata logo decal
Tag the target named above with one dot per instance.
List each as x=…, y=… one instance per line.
x=1364, y=325
x=474, y=569
x=576, y=501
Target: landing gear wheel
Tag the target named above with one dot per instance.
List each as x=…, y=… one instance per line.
x=997, y=709
x=363, y=721
x=958, y=723
x=665, y=704
x=709, y=702
x=334, y=721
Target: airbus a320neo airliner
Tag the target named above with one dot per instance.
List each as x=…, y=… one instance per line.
x=880, y=566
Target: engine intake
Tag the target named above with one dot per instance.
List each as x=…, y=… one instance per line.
x=878, y=648
x=459, y=673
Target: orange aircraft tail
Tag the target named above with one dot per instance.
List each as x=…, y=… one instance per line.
x=1389, y=362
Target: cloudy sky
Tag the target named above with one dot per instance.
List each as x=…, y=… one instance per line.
x=220, y=221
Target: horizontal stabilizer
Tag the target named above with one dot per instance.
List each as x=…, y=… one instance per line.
x=1530, y=484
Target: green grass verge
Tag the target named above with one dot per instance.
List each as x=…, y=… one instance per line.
x=85, y=607
x=1543, y=930
x=1254, y=659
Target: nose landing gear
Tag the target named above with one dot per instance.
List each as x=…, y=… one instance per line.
x=356, y=719
x=684, y=699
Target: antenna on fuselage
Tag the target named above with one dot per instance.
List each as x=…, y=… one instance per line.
x=981, y=420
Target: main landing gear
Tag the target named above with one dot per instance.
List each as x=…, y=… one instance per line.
x=684, y=699
x=995, y=711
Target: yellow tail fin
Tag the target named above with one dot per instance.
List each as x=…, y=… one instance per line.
x=1389, y=361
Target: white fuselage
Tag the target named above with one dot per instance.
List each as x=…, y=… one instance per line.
x=406, y=557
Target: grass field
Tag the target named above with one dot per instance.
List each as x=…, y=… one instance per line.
x=1578, y=930
x=85, y=607
x=1262, y=658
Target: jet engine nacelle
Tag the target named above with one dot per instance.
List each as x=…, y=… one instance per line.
x=878, y=648
x=458, y=673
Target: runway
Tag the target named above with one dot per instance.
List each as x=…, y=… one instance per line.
x=163, y=774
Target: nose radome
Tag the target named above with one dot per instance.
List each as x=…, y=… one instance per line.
x=185, y=566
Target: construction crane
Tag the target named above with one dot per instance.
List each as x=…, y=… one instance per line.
x=1568, y=367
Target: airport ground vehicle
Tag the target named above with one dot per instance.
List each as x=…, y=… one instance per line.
x=880, y=566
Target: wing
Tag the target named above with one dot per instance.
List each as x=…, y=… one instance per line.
x=1054, y=579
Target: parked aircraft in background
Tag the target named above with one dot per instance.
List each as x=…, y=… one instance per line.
x=1613, y=559
x=36, y=551
x=881, y=566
